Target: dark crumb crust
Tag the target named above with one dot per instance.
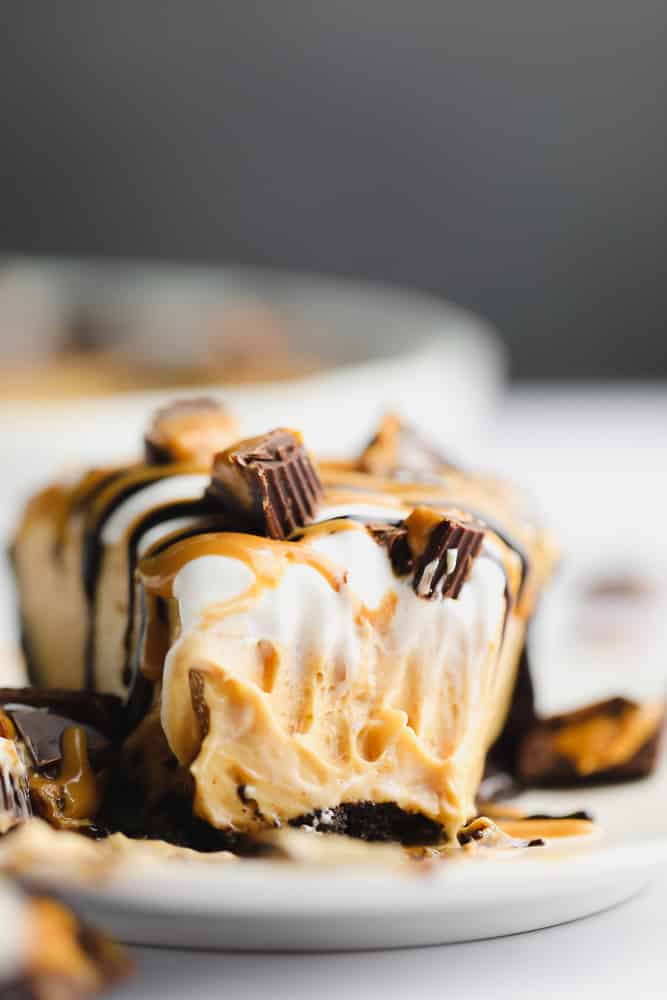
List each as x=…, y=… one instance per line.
x=377, y=821
x=171, y=819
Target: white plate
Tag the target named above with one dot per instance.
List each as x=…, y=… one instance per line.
x=260, y=906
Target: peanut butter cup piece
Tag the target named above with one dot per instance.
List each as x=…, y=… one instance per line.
x=447, y=560
x=397, y=450
x=394, y=537
x=438, y=551
x=42, y=732
x=609, y=741
x=190, y=430
x=268, y=481
x=103, y=712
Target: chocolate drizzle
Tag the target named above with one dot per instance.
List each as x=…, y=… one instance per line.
x=93, y=549
x=153, y=518
x=91, y=563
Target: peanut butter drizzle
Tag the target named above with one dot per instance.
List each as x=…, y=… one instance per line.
x=420, y=525
x=7, y=727
x=337, y=474
x=270, y=663
x=381, y=616
x=61, y=502
x=136, y=476
x=483, y=497
x=531, y=829
x=329, y=528
x=74, y=797
x=607, y=741
x=266, y=558
x=50, y=502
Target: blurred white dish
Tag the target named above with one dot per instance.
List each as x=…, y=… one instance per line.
x=438, y=365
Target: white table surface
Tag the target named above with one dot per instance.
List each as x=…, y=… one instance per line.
x=618, y=954
x=589, y=454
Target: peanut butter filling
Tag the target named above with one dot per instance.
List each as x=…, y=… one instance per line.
x=396, y=711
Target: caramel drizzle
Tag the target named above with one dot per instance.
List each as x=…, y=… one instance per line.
x=549, y=829
x=344, y=485
x=515, y=822
x=72, y=798
x=7, y=727
x=265, y=557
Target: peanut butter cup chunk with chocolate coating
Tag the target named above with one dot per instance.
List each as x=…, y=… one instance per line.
x=446, y=561
x=189, y=430
x=269, y=481
x=438, y=551
x=612, y=740
x=58, y=744
x=399, y=451
x=103, y=712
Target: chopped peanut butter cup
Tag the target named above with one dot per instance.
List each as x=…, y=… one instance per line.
x=190, y=430
x=397, y=449
x=612, y=740
x=438, y=551
x=56, y=756
x=103, y=712
x=269, y=481
x=42, y=732
x=447, y=560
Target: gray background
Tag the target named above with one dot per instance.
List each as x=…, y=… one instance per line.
x=510, y=155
